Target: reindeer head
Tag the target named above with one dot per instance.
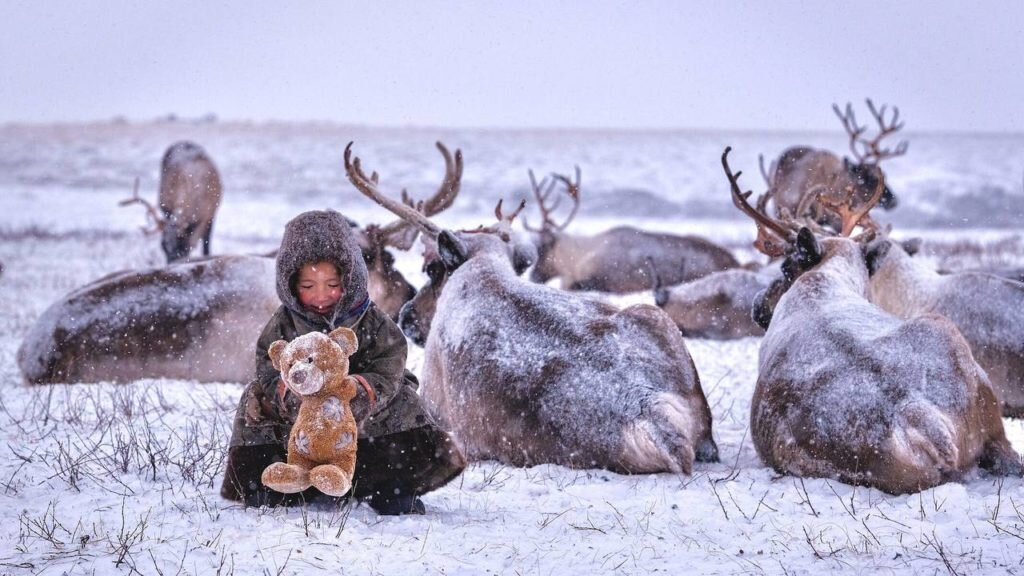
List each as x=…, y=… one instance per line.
x=549, y=232
x=803, y=244
x=389, y=290
x=865, y=172
x=446, y=250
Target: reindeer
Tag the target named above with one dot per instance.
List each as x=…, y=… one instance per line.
x=846, y=390
x=801, y=174
x=195, y=320
x=527, y=374
x=617, y=260
x=388, y=289
x=987, y=309
x=190, y=192
x=716, y=306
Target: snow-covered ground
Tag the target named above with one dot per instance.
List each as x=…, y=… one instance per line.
x=115, y=479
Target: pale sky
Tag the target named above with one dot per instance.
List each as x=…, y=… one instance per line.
x=715, y=64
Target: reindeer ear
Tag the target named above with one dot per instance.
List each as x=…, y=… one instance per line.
x=275, y=351
x=451, y=250
x=912, y=246
x=875, y=253
x=345, y=338
x=808, y=251
x=847, y=164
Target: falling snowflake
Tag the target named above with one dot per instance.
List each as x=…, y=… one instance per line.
x=302, y=443
x=334, y=409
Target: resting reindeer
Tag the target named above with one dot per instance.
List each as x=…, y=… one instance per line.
x=388, y=289
x=617, y=260
x=194, y=320
x=802, y=174
x=987, y=309
x=716, y=306
x=1007, y=272
x=190, y=192
x=846, y=390
x=528, y=374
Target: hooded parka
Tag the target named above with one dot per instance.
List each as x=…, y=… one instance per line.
x=264, y=417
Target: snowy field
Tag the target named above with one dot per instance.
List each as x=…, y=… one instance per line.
x=110, y=479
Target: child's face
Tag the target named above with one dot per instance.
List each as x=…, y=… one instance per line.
x=319, y=286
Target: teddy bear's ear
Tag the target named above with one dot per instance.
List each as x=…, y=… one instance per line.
x=345, y=338
x=275, y=351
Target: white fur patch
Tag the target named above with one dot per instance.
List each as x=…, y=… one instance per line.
x=343, y=442
x=302, y=443
x=333, y=409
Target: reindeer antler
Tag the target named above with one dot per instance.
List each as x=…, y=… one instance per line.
x=368, y=186
x=773, y=236
x=546, y=210
x=152, y=216
x=849, y=215
x=870, y=151
x=401, y=233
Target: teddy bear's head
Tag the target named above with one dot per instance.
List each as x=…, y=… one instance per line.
x=310, y=361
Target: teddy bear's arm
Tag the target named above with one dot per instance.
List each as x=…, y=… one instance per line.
x=278, y=328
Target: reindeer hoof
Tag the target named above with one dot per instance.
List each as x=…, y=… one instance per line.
x=330, y=480
x=285, y=478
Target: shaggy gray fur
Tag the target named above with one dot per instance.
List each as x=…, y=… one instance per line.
x=314, y=236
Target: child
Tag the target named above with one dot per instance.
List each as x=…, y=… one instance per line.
x=401, y=453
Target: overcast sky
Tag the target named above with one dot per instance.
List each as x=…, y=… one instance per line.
x=715, y=64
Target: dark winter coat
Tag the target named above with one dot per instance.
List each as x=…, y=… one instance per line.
x=261, y=417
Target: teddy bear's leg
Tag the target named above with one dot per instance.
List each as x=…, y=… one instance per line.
x=331, y=480
x=286, y=478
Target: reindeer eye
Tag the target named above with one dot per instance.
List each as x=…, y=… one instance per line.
x=309, y=360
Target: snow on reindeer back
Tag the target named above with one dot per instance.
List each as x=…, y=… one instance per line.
x=852, y=367
x=587, y=367
x=986, y=308
x=218, y=289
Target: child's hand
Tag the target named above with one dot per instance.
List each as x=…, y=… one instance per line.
x=258, y=407
x=364, y=402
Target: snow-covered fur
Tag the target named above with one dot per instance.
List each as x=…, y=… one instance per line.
x=717, y=306
x=321, y=236
x=987, y=309
x=527, y=374
x=322, y=443
x=190, y=193
x=847, y=390
x=195, y=320
x=619, y=260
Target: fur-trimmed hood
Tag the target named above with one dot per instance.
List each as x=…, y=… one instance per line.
x=315, y=236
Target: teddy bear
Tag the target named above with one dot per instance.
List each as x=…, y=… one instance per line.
x=322, y=444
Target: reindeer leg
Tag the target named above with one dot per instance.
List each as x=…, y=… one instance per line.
x=206, y=238
x=1000, y=459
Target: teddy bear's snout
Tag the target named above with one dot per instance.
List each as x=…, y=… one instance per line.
x=305, y=379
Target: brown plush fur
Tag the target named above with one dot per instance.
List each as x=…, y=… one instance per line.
x=322, y=444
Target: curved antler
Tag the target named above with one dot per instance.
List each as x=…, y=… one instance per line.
x=152, y=216
x=772, y=236
x=850, y=216
x=401, y=233
x=870, y=151
x=368, y=186
x=571, y=188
